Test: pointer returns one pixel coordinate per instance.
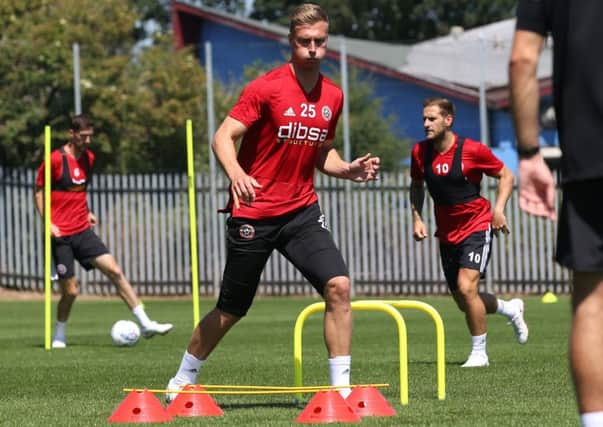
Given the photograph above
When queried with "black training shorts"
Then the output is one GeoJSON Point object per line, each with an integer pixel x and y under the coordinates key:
{"type": "Point", "coordinates": [302, 237]}
{"type": "Point", "coordinates": [473, 253]}
{"type": "Point", "coordinates": [580, 233]}
{"type": "Point", "coordinates": [84, 246]}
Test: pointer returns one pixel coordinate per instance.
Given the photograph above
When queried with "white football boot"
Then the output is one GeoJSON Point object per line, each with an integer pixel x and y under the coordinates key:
{"type": "Point", "coordinates": [519, 325]}
{"type": "Point", "coordinates": [155, 328]}
{"type": "Point", "coordinates": [476, 360]}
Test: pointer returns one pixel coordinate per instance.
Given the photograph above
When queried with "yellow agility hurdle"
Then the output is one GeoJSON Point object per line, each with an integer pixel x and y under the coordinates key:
{"type": "Point", "coordinates": [440, 341]}
{"type": "Point", "coordinates": [356, 305]}
{"type": "Point", "coordinates": [377, 305]}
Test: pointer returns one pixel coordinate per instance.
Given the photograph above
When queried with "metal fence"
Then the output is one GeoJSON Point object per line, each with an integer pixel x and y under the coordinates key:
{"type": "Point", "coordinates": [143, 219]}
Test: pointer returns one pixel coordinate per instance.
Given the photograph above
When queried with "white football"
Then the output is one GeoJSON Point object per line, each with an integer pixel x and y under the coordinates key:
{"type": "Point", "coordinates": [125, 333]}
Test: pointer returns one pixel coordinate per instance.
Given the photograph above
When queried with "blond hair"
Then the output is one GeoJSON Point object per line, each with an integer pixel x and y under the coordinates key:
{"type": "Point", "coordinates": [306, 14]}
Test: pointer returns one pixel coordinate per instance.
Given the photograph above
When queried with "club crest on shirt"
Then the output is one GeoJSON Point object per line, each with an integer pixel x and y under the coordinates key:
{"type": "Point", "coordinates": [246, 231]}
{"type": "Point", "coordinates": [326, 113]}
{"type": "Point", "coordinates": [77, 174]}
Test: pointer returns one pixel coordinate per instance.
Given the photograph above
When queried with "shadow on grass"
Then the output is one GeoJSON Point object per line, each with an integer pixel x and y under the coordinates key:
{"type": "Point", "coordinates": [433, 363]}
{"type": "Point", "coordinates": [262, 405]}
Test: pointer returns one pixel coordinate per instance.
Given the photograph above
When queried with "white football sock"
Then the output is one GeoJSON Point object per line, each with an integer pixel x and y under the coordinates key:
{"type": "Point", "coordinates": [189, 369]}
{"type": "Point", "coordinates": [339, 372]}
{"type": "Point", "coordinates": [506, 309]}
{"type": "Point", "coordinates": [141, 315]}
{"type": "Point", "coordinates": [59, 330]}
{"type": "Point", "coordinates": [592, 419]}
{"type": "Point", "coordinates": [478, 343]}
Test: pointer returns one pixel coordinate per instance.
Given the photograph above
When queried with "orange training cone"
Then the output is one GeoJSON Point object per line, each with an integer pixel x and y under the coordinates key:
{"type": "Point", "coordinates": [327, 407]}
{"type": "Point", "coordinates": [367, 401]}
{"type": "Point", "coordinates": [140, 407]}
{"type": "Point", "coordinates": [194, 405]}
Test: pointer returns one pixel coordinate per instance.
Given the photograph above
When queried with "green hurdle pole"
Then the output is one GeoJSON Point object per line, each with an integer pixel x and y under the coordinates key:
{"type": "Point", "coordinates": [47, 252]}
{"type": "Point", "coordinates": [192, 219]}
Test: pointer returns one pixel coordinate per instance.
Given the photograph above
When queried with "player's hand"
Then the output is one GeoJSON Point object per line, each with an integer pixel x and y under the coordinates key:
{"type": "Point", "coordinates": [92, 220]}
{"type": "Point", "coordinates": [365, 168]}
{"type": "Point", "coordinates": [499, 223]}
{"type": "Point", "coordinates": [419, 231]}
{"type": "Point", "coordinates": [54, 231]}
{"type": "Point", "coordinates": [536, 188]}
{"type": "Point", "coordinates": [242, 188]}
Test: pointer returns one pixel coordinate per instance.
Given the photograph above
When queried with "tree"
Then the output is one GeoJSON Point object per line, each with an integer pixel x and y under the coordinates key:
{"type": "Point", "coordinates": [36, 64]}
{"type": "Point", "coordinates": [139, 103]}
{"type": "Point", "coordinates": [433, 18]}
{"type": "Point", "coordinates": [370, 132]}
{"type": "Point", "coordinates": [405, 21]}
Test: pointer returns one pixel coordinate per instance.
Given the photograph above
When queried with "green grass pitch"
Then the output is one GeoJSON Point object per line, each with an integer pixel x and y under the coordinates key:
{"type": "Point", "coordinates": [82, 385]}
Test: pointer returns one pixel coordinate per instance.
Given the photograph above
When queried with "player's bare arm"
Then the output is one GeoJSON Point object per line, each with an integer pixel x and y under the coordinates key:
{"type": "Point", "coordinates": [536, 183]}
{"type": "Point", "coordinates": [417, 197]}
{"type": "Point", "coordinates": [362, 169]}
{"type": "Point", "coordinates": [505, 188]}
{"type": "Point", "coordinates": [243, 186]}
{"type": "Point", "coordinates": [523, 67]}
{"type": "Point", "coordinates": [39, 202]}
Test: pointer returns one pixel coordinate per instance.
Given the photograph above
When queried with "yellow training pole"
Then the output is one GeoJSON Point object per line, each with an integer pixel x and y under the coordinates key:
{"type": "Point", "coordinates": [47, 252]}
{"type": "Point", "coordinates": [192, 219]}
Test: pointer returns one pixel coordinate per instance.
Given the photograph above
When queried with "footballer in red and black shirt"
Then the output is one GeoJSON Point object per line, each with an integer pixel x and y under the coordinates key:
{"type": "Point", "coordinates": [452, 167]}
{"type": "Point", "coordinates": [286, 121]}
{"type": "Point", "coordinates": [71, 225]}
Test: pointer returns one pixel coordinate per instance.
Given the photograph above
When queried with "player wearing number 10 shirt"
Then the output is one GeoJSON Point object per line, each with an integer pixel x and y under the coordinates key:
{"type": "Point", "coordinates": [452, 167]}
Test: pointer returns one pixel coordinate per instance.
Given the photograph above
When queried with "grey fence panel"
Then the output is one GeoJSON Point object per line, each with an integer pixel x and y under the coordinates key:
{"type": "Point", "coordinates": [144, 221]}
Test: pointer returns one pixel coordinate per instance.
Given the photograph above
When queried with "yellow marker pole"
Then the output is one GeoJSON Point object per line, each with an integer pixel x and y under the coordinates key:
{"type": "Point", "coordinates": [47, 252]}
{"type": "Point", "coordinates": [192, 219]}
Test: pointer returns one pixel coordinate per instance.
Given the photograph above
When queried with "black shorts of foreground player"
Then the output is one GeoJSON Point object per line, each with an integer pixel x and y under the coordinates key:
{"type": "Point", "coordinates": [287, 120]}
{"type": "Point", "coordinates": [452, 167]}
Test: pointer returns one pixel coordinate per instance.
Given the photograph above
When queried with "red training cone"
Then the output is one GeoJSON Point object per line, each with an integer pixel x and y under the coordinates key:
{"type": "Point", "coordinates": [140, 407]}
{"type": "Point", "coordinates": [367, 401]}
{"type": "Point", "coordinates": [327, 407]}
{"type": "Point", "coordinates": [194, 405]}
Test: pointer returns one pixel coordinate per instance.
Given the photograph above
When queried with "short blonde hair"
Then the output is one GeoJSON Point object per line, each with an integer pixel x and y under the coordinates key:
{"type": "Point", "coordinates": [306, 14]}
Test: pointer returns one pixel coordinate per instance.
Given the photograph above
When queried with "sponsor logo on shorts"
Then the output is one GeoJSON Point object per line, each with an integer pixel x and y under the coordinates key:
{"type": "Point", "coordinates": [246, 231]}
{"type": "Point", "coordinates": [322, 219]}
{"type": "Point", "coordinates": [61, 269]}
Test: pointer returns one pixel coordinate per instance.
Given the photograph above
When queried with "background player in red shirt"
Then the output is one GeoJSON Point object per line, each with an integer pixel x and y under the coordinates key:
{"type": "Point", "coordinates": [71, 230]}
{"type": "Point", "coordinates": [453, 167]}
{"type": "Point", "coordinates": [286, 119]}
